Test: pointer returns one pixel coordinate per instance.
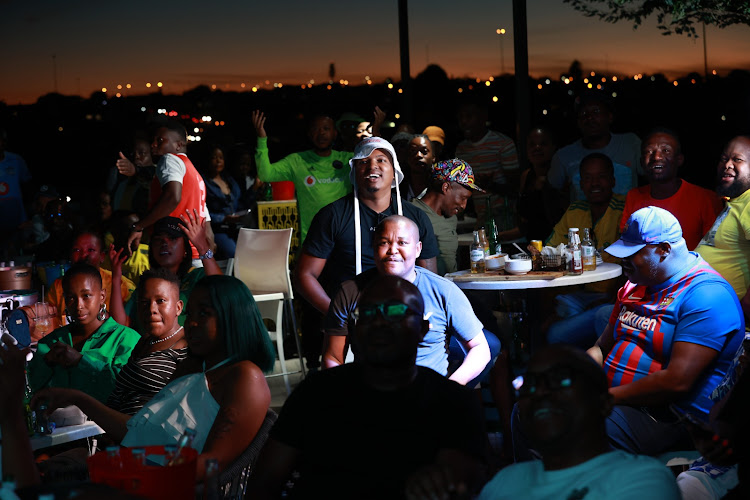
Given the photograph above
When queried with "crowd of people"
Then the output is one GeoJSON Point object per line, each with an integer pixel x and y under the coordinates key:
{"type": "Point", "coordinates": [149, 338]}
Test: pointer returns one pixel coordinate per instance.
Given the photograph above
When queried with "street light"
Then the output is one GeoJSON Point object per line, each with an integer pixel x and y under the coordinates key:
{"type": "Point", "coordinates": [501, 32]}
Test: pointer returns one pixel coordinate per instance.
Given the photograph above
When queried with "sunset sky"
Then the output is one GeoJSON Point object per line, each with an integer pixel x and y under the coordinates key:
{"type": "Point", "coordinates": [226, 43]}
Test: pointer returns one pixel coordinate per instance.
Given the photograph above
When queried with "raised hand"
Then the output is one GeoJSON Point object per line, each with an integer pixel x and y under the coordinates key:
{"type": "Point", "coordinates": [195, 229]}
{"type": "Point", "coordinates": [125, 166]}
{"type": "Point", "coordinates": [259, 121]}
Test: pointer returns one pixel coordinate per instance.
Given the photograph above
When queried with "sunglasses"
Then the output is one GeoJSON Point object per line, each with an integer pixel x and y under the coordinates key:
{"type": "Point", "coordinates": [553, 379]}
{"type": "Point", "coordinates": [392, 312]}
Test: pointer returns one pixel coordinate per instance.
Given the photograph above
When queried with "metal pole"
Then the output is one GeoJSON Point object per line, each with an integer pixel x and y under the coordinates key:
{"type": "Point", "coordinates": [521, 54]}
{"type": "Point", "coordinates": [403, 38]}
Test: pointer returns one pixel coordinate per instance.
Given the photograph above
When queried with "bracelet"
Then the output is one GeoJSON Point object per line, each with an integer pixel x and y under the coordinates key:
{"type": "Point", "coordinates": [134, 228]}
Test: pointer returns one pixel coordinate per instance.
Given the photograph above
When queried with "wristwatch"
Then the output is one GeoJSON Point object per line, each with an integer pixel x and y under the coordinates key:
{"type": "Point", "coordinates": [208, 255]}
{"type": "Point", "coordinates": [135, 228]}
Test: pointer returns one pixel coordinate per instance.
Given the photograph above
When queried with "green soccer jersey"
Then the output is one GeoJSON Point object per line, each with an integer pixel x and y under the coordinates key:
{"type": "Point", "coordinates": [316, 180]}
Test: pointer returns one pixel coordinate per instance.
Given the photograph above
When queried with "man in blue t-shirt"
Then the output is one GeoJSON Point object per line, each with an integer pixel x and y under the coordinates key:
{"type": "Point", "coordinates": [672, 335]}
{"type": "Point", "coordinates": [396, 248]}
{"type": "Point", "coordinates": [13, 173]}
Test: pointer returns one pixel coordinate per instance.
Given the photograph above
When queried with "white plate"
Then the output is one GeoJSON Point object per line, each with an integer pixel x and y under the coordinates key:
{"type": "Point", "coordinates": [517, 273]}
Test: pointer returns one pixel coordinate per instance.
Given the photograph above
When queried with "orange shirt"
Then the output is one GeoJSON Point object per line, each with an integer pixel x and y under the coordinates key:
{"type": "Point", "coordinates": [695, 207]}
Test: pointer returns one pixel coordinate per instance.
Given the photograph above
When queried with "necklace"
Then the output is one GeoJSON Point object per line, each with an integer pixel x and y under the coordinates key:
{"type": "Point", "coordinates": [152, 342]}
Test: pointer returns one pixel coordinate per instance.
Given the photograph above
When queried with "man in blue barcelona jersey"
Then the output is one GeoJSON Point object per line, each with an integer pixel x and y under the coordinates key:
{"type": "Point", "coordinates": [674, 330]}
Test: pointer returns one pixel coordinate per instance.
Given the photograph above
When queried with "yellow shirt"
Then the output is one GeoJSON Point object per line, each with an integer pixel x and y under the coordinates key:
{"type": "Point", "coordinates": [132, 268]}
{"type": "Point", "coordinates": [55, 293]}
{"type": "Point", "coordinates": [726, 246]}
{"type": "Point", "coordinates": [606, 230]}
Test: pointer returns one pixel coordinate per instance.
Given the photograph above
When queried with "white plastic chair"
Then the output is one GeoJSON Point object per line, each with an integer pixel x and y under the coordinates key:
{"type": "Point", "coordinates": [261, 261]}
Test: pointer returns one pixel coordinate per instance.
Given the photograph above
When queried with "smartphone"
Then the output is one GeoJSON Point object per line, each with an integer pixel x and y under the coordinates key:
{"type": "Point", "coordinates": [241, 213]}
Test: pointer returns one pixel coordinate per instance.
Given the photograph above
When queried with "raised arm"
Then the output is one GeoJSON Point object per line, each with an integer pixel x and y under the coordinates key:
{"type": "Point", "coordinates": [195, 229]}
{"type": "Point", "coordinates": [116, 305]}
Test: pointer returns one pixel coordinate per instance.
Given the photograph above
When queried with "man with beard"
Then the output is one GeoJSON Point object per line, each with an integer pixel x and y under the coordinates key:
{"type": "Point", "coordinates": [695, 207]}
{"type": "Point", "coordinates": [727, 245]}
{"type": "Point", "coordinates": [177, 188]}
{"type": "Point", "coordinates": [671, 337]}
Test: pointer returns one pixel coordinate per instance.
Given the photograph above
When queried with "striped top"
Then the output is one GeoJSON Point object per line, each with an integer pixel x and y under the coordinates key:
{"type": "Point", "coordinates": [142, 378]}
{"type": "Point", "coordinates": [697, 306]}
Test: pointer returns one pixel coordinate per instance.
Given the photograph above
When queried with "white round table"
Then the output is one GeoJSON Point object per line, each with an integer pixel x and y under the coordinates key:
{"type": "Point", "coordinates": [603, 272]}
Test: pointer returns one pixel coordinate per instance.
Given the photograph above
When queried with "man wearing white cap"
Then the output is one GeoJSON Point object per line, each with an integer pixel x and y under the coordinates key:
{"type": "Point", "coordinates": [339, 242]}
{"type": "Point", "coordinates": [673, 332]}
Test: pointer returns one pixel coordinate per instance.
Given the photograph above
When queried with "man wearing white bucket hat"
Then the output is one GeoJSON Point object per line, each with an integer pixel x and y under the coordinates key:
{"type": "Point", "coordinates": [339, 243]}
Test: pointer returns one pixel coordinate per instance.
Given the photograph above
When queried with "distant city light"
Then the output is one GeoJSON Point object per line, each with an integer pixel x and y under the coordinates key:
{"type": "Point", "coordinates": [495, 99]}
{"type": "Point", "coordinates": [390, 85]}
{"type": "Point", "coordinates": [59, 129]}
{"type": "Point", "coordinates": [589, 85]}
{"type": "Point", "coordinates": [614, 94]}
{"type": "Point", "coordinates": [206, 119]}
{"type": "Point", "coordinates": [104, 89]}
{"type": "Point", "coordinates": [544, 112]}
{"type": "Point", "coordinates": [547, 81]}
{"type": "Point", "coordinates": [599, 86]}
{"type": "Point", "coordinates": [196, 130]}
{"type": "Point", "coordinates": [675, 83]}
{"type": "Point", "coordinates": [242, 85]}
{"type": "Point", "coordinates": [539, 86]}
{"type": "Point", "coordinates": [593, 73]}
{"type": "Point", "coordinates": [488, 83]}
{"type": "Point", "coordinates": [723, 118]}
{"type": "Point", "coordinates": [143, 109]}
{"type": "Point", "coordinates": [713, 72]}
{"type": "Point", "coordinates": [614, 78]}
{"type": "Point", "coordinates": [119, 87]}
{"type": "Point", "coordinates": [492, 78]}
{"type": "Point", "coordinates": [254, 89]}
{"type": "Point", "coordinates": [397, 116]}
{"type": "Point", "coordinates": [148, 85]}
{"type": "Point", "coordinates": [127, 86]}
{"type": "Point", "coordinates": [653, 78]}
{"type": "Point", "coordinates": [118, 95]}
{"type": "Point", "coordinates": [400, 91]}
{"type": "Point", "coordinates": [213, 87]}
{"type": "Point", "coordinates": [566, 80]}
{"type": "Point", "coordinates": [500, 31]}
{"type": "Point", "coordinates": [159, 84]}
{"type": "Point", "coordinates": [460, 90]}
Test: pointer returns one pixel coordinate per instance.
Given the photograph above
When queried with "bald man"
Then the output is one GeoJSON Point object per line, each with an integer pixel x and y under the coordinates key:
{"type": "Point", "coordinates": [396, 247]}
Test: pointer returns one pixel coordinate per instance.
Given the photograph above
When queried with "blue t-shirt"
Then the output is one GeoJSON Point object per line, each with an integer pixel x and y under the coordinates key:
{"type": "Point", "coordinates": [696, 305]}
{"type": "Point", "coordinates": [445, 307]}
{"type": "Point", "coordinates": [616, 475]}
{"type": "Point", "coordinates": [13, 172]}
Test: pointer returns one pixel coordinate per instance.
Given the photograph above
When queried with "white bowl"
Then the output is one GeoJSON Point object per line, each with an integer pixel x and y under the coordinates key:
{"type": "Point", "coordinates": [495, 262]}
{"type": "Point", "coordinates": [518, 266]}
